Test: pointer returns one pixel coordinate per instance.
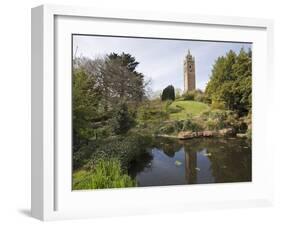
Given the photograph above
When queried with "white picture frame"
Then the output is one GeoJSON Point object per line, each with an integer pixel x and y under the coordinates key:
{"type": "Point", "coordinates": [51, 199]}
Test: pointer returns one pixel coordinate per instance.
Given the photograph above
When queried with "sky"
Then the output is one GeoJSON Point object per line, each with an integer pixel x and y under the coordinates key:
{"type": "Point", "coordinates": [160, 60]}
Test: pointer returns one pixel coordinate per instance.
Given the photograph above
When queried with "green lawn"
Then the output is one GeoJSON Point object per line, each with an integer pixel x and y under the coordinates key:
{"type": "Point", "coordinates": [186, 107]}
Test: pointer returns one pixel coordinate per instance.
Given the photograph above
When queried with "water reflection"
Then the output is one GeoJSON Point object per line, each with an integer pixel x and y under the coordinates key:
{"type": "Point", "coordinates": [197, 161]}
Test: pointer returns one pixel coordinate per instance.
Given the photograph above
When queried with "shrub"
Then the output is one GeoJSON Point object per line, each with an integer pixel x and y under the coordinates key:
{"type": "Point", "coordinates": [181, 125]}
{"type": "Point", "coordinates": [200, 97]}
{"type": "Point", "coordinates": [102, 132]}
{"type": "Point", "coordinates": [188, 96]}
{"type": "Point", "coordinates": [218, 105]}
{"type": "Point", "coordinates": [191, 125]}
{"type": "Point", "coordinates": [219, 119]}
{"type": "Point", "coordinates": [178, 125]}
{"type": "Point", "coordinates": [153, 111]}
{"type": "Point", "coordinates": [106, 174]}
{"type": "Point", "coordinates": [125, 149]}
{"type": "Point", "coordinates": [168, 93]}
{"type": "Point", "coordinates": [196, 95]}
{"type": "Point", "coordinates": [211, 124]}
{"type": "Point", "coordinates": [82, 156]}
{"type": "Point", "coordinates": [166, 129]}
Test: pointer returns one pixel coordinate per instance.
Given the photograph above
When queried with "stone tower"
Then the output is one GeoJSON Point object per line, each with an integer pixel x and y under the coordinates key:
{"type": "Point", "coordinates": [189, 73]}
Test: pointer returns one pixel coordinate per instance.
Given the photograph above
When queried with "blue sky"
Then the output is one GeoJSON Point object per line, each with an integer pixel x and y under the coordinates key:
{"type": "Point", "coordinates": [161, 60]}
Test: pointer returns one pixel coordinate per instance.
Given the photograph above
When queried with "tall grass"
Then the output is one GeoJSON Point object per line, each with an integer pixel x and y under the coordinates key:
{"type": "Point", "coordinates": [106, 174]}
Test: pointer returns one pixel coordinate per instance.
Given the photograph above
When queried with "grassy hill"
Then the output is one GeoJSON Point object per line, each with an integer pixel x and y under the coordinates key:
{"type": "Point", "coordinates": [179, 109]}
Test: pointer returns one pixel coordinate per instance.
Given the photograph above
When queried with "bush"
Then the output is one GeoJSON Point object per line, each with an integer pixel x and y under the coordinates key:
{"type": "Point", "coordinates": [191, 125]}
{"type": "Point", "coordinates": [196, 95]}
{"type": "Point", "coordinates": [211, 124]}
{"type": "Point", "coordinates": [103, 132]}
{"type": "Point", "coordinates": [168, 93]}
{"type": "Point", "coordinates": [106, 174]}
{"type": "Point", "coordinates": [82, 156]}
{"type": "Point", "coordinates": [125, 149]}
{"type": "Point", "coordinates": [188, 96]}
{"type": "Point", "coordinates": [154, 110]}
{"type": "Point", "coordinates": [166, 129]}
{"type": "Point", "coordinates": [200, 97]}
{"type": "Point", "coordinates": [219, 119]}
{"type": "Point", "coordinates": [218, 105]}
{"type": "Point", "coordinates": [178, 126]}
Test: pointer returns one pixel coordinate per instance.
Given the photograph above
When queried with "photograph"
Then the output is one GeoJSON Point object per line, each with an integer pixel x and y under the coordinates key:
{"type": "Point", "coordinates": [150, 111]}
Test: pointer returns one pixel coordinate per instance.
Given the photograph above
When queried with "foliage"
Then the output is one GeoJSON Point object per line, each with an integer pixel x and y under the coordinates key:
{"type": "Point", "coordinates": [189, 95]}
{"type": "Point", "coordinates": [85, 104]}
{"type": "Point", "coordinates": [191, 125]}
{"type": "Point", "coordinates": [81, 156]}
{"type": "Point", "coordinates": [176, 126]}
{"type": "Point", "coordinates": [219, 119]}
{"type": "Point", "coordinates": [115, 77]}
{"type": "Point", "coordinates": [230, 84]}
{"type": "Point", "coordinates": [122, 120]}
{"type": "Point", "coordinates": [99, 88]}
{"type": "Point", "coordinates": [166, 128]}
{"type": "Point", "coordinates": [113, 120]}
{"type": "Point", "coordinates": [196, 95]}
{"type": "Point", "coordinates": [129, 62]}
{"type": "Point", "coordinates": [124, 148]}
{"type": "Point", "coordinates": [153, 110]}
{"type": "Point", "coordinates": [168, 93]}
{"type": "Point", "coordinates": [106, 174]}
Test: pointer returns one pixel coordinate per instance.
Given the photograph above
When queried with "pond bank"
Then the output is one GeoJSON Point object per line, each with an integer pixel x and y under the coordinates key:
{"type": "Point", "coordinates": [183, 135]}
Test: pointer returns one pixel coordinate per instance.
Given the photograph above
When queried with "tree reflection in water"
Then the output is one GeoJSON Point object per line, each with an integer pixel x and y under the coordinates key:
{"type": "Point", "coordinates": [202, 160]}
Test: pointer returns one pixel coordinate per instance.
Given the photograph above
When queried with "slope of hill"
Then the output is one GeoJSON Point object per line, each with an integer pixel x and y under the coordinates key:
{"type": "Point", "coordinates": [180, 109]}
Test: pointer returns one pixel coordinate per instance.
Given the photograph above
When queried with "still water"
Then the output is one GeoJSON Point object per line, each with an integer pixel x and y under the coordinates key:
{"type": "Point", "coordinates": [194, 161]}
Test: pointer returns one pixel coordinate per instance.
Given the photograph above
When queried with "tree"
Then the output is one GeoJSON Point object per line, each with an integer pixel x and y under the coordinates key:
{"type": "Point", "coordinates": [122, 120]}
{"type": "Point", "coordinates": [168, 93]}
{"type": "Point", "coordinates": [86, 97]}
{"type": "Point", "coordinates": [116, 77]}
{"type": "Point", "coordinates": [230, 84]}
{"type": "Point", "coordinates": [129, 62]}
{"type": "Point", "coordinates": [242, 87]}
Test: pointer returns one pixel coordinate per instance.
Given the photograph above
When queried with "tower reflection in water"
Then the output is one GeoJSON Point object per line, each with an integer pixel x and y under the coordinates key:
{"type": "Point", "coordinates": [190, 166]}
{"type": "Point", "coordinates": [199, 161]}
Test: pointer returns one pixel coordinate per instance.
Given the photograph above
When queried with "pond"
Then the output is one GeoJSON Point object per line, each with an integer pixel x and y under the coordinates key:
{"type": "Point", "coordinates": [194, 161]}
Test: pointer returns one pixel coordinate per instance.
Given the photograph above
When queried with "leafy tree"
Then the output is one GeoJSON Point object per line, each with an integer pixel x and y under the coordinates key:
{"type": "Point", "coordinates": [230, 84]}
{"type": "Point", "coordinates": [168, 93]}
{"type": "Point", "coordinates": [242, 87]}
{"type": "Point", "coordinates": [129, 62]}
{"type": "Point", "coordinates": [86, 99]}
{"type": "Point", "coordinates": [122, 120]}
{"type": "Point", "coordinates": [116, 77]}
